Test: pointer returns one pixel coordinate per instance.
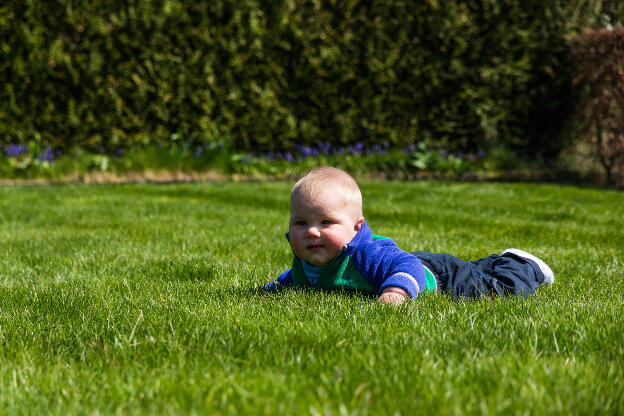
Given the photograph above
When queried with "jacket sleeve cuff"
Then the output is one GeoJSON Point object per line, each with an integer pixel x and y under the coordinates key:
{"type": "Point", "coordinates": [403, 280]}
{"type": "Point", "coordinates": [283, 280]}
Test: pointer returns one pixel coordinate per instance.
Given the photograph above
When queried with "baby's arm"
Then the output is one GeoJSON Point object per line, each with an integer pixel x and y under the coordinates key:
{"type": "Point", "coordinates": [283, 280]}
{"type": "Point", "coordinates": [392, 270]}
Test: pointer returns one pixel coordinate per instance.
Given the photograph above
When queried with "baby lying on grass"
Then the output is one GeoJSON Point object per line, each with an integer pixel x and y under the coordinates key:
{"type": "Point", "coordinates": [334, 249]}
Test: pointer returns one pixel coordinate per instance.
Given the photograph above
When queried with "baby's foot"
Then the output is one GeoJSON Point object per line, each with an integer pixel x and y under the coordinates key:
{"type": "Point", "coordinates": [549, 276]}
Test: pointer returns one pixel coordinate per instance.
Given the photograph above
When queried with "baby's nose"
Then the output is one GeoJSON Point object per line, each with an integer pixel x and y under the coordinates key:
{"type": "Point", "coordinates": [313, 232]}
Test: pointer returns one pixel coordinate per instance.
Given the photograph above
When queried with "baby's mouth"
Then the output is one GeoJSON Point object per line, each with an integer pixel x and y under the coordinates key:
{"type": "Point", "coordinates": [315, 246]}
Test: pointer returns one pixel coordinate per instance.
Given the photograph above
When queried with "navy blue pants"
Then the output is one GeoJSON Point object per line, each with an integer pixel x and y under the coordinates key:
{"type": "Point", "coordinates": [506, 275]}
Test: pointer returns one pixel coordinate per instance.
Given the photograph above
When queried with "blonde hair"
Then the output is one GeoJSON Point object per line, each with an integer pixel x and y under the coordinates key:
{"type": "Point", "coordinates": [327, 178]}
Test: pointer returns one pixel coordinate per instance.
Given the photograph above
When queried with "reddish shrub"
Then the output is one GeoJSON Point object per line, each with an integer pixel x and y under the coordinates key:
{"type": "Point", "coordinates": [598, 80]}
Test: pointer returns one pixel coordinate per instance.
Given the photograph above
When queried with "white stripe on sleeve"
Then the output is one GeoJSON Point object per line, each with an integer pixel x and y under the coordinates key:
{"type": "Point", "coordinates": [409, 277]}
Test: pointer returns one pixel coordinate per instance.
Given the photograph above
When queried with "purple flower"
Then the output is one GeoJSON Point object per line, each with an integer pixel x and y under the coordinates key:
{"type": "Point", "coordinates": [47, 155]}
{"type": "Point", "coordinates": [288, 156]}
{"type": "Point", "coordinates": [120, 151]}
{"type": "Point", "coordinates": [102, 149]}
{"type": "Point", "coordinates": [325, 148]}
{"type": "Point", "coordinates": [198, 152]}
{"type": "Point", "coordinates": [14, 150]}
{"type": "Point", "coordinates": [359, 147]}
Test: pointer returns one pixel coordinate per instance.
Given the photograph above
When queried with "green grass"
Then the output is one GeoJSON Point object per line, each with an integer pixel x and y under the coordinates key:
{"type": "Point", "coordinates": [144, 299]}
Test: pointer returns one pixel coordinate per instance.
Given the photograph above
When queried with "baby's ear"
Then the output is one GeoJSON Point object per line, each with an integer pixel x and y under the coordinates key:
{"type": "Point", "coordinates": [359, 223]}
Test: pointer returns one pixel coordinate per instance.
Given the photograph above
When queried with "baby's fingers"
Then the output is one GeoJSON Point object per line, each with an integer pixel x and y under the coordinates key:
{"type": "Point", "coordinates": [392, 298]}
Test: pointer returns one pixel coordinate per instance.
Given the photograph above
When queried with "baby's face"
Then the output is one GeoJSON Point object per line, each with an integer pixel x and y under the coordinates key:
{"type": "Point", "coordinates": [319, 229]}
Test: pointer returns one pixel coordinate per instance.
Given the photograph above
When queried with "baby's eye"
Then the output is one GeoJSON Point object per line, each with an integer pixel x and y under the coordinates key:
{"type": "Point", "coordinates": [299, 222]}
{"type": "Point", "coordinates": [327, 222]}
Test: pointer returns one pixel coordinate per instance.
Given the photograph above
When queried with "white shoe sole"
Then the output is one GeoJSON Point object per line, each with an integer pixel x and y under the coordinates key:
{"type": "Point", "coordinates": [549, 276]}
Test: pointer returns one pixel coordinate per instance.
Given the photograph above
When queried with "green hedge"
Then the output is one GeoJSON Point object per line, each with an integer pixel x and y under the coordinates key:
{"type": "Point", "coordinates": [265, 74]}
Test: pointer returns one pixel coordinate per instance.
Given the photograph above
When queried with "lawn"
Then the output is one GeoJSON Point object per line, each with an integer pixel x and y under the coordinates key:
{"type": "Point", "coordinates": [146, 299]}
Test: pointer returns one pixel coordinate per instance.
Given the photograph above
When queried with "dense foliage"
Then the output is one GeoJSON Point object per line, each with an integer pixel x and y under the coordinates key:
{"type": "Point", "coordinates": [264, 75]}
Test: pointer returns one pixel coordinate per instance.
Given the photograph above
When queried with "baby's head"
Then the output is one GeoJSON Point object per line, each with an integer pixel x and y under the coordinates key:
{"type": "Point", "coordinates": [325, 214]}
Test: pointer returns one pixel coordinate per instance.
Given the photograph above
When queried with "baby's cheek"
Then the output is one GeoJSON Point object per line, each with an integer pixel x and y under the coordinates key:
{"type": "Point", "coordinates": [335, 242]}
{"type": "Point", "coordinates": [339, 241]}
{"type": "Point", "coordinates": [295, 245]}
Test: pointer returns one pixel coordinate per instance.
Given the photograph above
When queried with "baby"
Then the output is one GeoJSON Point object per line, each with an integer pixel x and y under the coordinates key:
{"type": "Point", "coordinates": [334, 249]}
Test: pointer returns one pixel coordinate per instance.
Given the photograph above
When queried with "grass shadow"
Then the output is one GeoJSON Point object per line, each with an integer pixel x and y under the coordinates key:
{"type": "Point", "coordinates": [223, 194]}
{"type": "Point", "coordinates": [260, 291]}
{"type": "Point", "coordinates": [174, 269]}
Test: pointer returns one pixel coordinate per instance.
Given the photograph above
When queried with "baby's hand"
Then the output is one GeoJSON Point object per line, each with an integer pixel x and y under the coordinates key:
{"type": "Point", "coordinates": [394, 295]}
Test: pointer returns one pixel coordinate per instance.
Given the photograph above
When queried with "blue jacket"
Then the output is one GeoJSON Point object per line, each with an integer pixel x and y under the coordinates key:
{"type": "Point", "coordinates": [369, 263]}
